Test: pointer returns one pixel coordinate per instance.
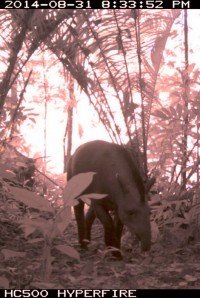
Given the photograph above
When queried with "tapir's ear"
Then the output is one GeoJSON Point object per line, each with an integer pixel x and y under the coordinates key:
{"type": "Point", "coordinates": [121, 183]}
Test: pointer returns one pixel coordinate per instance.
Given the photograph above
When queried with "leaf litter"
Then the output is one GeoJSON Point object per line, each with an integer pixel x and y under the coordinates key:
{"type": "Point", "coordinates": [166, 266]}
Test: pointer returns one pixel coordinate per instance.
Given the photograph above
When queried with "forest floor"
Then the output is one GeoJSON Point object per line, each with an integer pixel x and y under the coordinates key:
{"type": "Point", "coordinates": [169, 265]}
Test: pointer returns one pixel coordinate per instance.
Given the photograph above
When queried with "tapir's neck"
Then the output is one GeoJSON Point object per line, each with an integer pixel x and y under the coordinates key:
{"type": "Point", "coordinates": [128, 175]}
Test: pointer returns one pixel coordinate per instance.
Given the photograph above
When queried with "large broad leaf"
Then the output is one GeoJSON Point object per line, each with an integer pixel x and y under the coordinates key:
{"type": "Point", "coordinates": [8, 254]}
{"type": "Point", "coordinates": [96, 196]}
{"type": "Point", "coordinates": [75, 186]}
{"type": "Point", "coordinates": [43, 225]}
{"type": "Point", "coordinates": [30, 199]}
{"type": "Point", "coordinates": [69, 251]}
{"type": "Point", "coordinates": [62, 219]}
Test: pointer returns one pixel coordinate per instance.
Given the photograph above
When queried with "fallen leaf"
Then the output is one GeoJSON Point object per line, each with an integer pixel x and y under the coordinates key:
{"type": "Point", "coordinates": [12, 253]}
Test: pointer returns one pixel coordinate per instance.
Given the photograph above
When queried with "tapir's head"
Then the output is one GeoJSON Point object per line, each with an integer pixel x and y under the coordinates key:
{"type": "Point", "coordinates": [133, 209]}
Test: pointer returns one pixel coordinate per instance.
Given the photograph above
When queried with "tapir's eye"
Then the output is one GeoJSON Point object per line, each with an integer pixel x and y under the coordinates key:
{"type": "Point", "coordinates": [131, 212]}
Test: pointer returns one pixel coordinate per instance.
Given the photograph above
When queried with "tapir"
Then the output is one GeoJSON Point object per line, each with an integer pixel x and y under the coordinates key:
{"type": "Point", "coordinates": [118, 177]}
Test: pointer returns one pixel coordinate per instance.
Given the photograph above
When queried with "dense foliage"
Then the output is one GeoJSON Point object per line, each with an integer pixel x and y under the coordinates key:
{"type": "Point", "coordinates": [133, 73]}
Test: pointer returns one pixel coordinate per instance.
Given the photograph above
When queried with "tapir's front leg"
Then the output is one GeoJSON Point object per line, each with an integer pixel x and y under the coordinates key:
{"type": "Point", "coordinates": [109, 227]}
{"type": "Point", "coordinates": [80, 219]}
{"type": "Point", "coordinates": [89, 219]}
{"type": "Point", "coordinates": [118, 229]}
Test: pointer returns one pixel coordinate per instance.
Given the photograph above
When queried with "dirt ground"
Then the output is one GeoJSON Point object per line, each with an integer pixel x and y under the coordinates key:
{"type": "Point", "coordinates": [171, 264]}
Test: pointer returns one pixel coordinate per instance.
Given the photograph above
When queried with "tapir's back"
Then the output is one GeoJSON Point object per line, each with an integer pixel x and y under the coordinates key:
{"type": "Point", "coordinates": [95, 156]}
{"type": "Point", "coordinates": [107, 160]}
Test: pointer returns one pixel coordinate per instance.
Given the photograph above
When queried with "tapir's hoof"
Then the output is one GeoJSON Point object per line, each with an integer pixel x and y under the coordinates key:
{"type": "Point", "coordinates": [117, 255]}
{"type": "Point", "coordinates": [84, 244]}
